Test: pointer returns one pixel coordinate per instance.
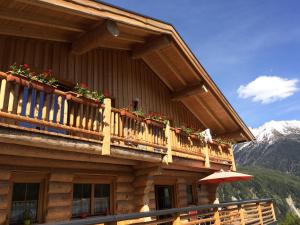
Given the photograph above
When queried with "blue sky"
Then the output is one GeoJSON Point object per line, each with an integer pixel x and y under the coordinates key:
{"type": "Point", "coordinates": [251, 49]}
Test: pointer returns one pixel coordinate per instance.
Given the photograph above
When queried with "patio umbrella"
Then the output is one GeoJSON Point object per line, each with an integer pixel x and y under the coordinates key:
{"type": "Point", "coordinates": [224, 176]}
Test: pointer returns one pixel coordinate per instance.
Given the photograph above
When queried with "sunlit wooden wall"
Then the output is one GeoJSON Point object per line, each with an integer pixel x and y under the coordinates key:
{"type": "Point", "coordinates": [102, 69]}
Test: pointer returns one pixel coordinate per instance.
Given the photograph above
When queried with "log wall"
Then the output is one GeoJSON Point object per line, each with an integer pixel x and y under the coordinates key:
{"type": "Point", "coordinates": [4, 195]}
{"type": "Point", "coordinates": [112, 71]}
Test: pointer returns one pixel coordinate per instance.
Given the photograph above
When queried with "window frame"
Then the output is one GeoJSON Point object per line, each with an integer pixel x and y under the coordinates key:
{"type": "Point", "coordinates": [194, 193]}
{"type": "Point", "coordinates": [93, 180]}
{"type": "Point", "coordinates": [29, 177]}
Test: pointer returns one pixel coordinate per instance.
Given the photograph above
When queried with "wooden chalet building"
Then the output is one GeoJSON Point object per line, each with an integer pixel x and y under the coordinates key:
{"type": "Point", "coordinates": [65, 156]}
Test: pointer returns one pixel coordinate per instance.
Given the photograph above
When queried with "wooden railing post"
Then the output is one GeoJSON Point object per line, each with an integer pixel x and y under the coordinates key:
{"type": "Point", "coordinates": [106, 127]}
{"type": "Point", "coordinates": [207, 162]}
{"type": "Point", "coordinates": [259, 214]}
{"type": "Point", "coordinates": [176, 220]}
{"type": "Point", "coordinates": [169, 143]}
{"type": "Point", "coordinates": [217, 217]}
{"type": "Point", "coordinates": [273, 211]}
{"type": "Point", "coordinates": [233, 166]}
{"type": "Point", "coordinates": [242, 214]}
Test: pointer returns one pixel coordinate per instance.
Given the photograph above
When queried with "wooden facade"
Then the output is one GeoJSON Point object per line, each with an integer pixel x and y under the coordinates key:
{"type": "Point", "coordinates": [68, 149]}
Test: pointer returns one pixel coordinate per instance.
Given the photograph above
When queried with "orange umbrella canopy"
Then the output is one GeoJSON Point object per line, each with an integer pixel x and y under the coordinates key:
{"type": "Point", "coordinates": [224, 176]}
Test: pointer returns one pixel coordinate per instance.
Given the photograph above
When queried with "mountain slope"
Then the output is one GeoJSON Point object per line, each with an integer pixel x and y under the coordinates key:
{"type": "Point", "coordinates": [265, 184]}
{"type": "Point", "coordinates": [274, 160]}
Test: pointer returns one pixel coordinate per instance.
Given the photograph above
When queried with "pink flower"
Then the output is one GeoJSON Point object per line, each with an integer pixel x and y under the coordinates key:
{"type": "Point", "coordinates": [26, 66]}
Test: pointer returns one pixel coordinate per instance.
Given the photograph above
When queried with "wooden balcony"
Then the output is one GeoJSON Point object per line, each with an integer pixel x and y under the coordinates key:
{"type": "Point", "coordinates": [258, 212]}
{"type": "Point", "coordinates": [28, 106]}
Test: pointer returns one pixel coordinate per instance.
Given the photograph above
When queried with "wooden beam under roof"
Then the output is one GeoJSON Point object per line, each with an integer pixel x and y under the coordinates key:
{"type": "Point", "coordinates": [42, 21]}
{"type": "Point", "coordinates": [94, 38]}
{"type": "Point", "coordinates": [210, 113]}
{"type": "Point", "coordinates": [151, 46]}
{"type": "Point", "coordinates": [189, 91]}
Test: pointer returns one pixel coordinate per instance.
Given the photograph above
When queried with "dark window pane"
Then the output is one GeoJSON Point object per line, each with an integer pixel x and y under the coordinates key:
{"type": "Point", "coordinates": [81, 199]}
{"type": "Point", "coordinates": [24, 202]}
{"type": "Point", "coordinates": [190, 198]}
{"type": "Point", "coordinates": [19, 192]}
{"type": "Point", "coordinates": [102, 193]}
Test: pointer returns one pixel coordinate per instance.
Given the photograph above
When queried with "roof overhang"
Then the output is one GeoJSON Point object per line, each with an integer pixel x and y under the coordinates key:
{"type": "Point", "coordinates": [155, 42]}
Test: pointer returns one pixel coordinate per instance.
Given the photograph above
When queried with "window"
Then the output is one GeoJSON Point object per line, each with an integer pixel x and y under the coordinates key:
{"type": "Point", "coordinates": [190, 195]}
{"type": "Point", "coordinates": [91, 199]}
{"type": "Point", "coordinates": [25, 199]}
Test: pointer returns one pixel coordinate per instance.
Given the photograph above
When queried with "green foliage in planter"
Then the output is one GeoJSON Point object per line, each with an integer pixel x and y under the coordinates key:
{"type": "Point", "coordinates": [21, 70]}
{"type": "Point", "coordinates": [139, 113]}
{"type": "Point", "coordinates": [88, 93]}
{"type": "Point", "coordinates": [187, 130]}
{"type": "Point", "coordinates": [158, 117]}
{"type": "Point", "coordinates": [24, 70]}
{"type": "Point", "coordinates": [200, 135]}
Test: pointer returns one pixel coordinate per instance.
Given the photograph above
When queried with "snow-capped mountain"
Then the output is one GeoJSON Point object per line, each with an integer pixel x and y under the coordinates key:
{"type": "Point", "coordinates": [277, 146]}
{"type": "Point", "coordinates": [271, 130]}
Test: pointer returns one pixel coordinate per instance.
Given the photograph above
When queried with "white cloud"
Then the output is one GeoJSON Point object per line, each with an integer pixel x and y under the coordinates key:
{"type": "Point", "coordinates": [267, 89]}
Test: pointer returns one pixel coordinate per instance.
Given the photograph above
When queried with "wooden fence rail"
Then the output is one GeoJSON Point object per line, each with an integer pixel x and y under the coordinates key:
{"type": "Point", "coordinates": [254, 212]}
{"type": "Point", "coordinates": [29, 104]}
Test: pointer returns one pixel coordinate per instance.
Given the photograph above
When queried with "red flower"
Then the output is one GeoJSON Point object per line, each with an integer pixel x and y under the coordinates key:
{"type": "Point", "coordinates": [26, 66]}
{"type": "Point", "coordinates": [83, 85]}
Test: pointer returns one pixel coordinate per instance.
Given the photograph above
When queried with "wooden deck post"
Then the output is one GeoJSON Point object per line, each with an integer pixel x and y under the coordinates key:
{"type": "Point", "coordinates": [217, 217]}
{"type": "Point", "coordinates": [273, 211]}
{"type": "Point", "coordinates": [207, 163]}
{"type": "Point", "coordinates": [242, 214]}
{"type": "Point", "coordinates": [106, 127]}
{"type": "Point", "coordinates": [259, 214]}
{"type": "Point", "coordinates": [176, 220]}
{"type": "Point", "coordinates": [169, 142]}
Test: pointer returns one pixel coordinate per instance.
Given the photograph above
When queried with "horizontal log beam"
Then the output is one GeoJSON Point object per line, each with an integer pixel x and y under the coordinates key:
{"type": "Point", "coordinates": [151, 46]}
{"type": "Point", "coordinates": [189, 91]}
{"type": "Point", "coordinates": [94, 38]}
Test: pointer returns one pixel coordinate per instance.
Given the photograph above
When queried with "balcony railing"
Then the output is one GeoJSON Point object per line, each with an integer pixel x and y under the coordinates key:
{"type": "Point", "coordinates": [30, 105]}
{"type": "Point", "coordinates": [232, 213]}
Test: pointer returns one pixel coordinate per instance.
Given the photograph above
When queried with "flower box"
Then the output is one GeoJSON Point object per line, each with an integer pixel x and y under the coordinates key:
{"type": "Point", "coordinates": [80, 99]}
{"type": "Point", "coordinates": [126, 113]}
{"type": "Point", "coordinates": [155, 123]}
{"type": "Point", "coordinates": [178, 130]}
{"type": "Point", "coordinates": [30, 83]}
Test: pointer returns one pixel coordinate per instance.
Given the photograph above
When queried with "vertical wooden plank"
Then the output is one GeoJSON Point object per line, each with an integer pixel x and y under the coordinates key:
{"type": "Point", "coordinates": [242, 214]}
{"type": "Point", "coordinates": [16, 98]}
{"type": "Point", "coordinates": [72, 121]}
{"type": "Point", "coordinates": [273, 211]}
{"type": "Point", "coordinates": [259, 212]}
{"type": "Point", "coordinates": [169, 142]}
{"type": "Point", "coordinates": [91, 117]}
{"type": "Point", "coordinates": [28, 103]}
{"type": "Point", "coordinates": [66, 109]}
{"type": "Point", "coordinates": [2, 93]}
{"type": "Point", "coordinates": [217, 217]}
{"type": "Point", "coordinates": [106, 128]}
{"type": "Point", "coordinates": [36, 105]}
{"type": "Point", "coordinates": [96, 119]}
{"type": "Point", "coordinates": [47, 99]}
{"type": "Point", "coordinates": [51, 112]}
{"type": "Point", "coordinates": [59, 109]}
{"type": "Point", "coordinates": [11, 97]}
